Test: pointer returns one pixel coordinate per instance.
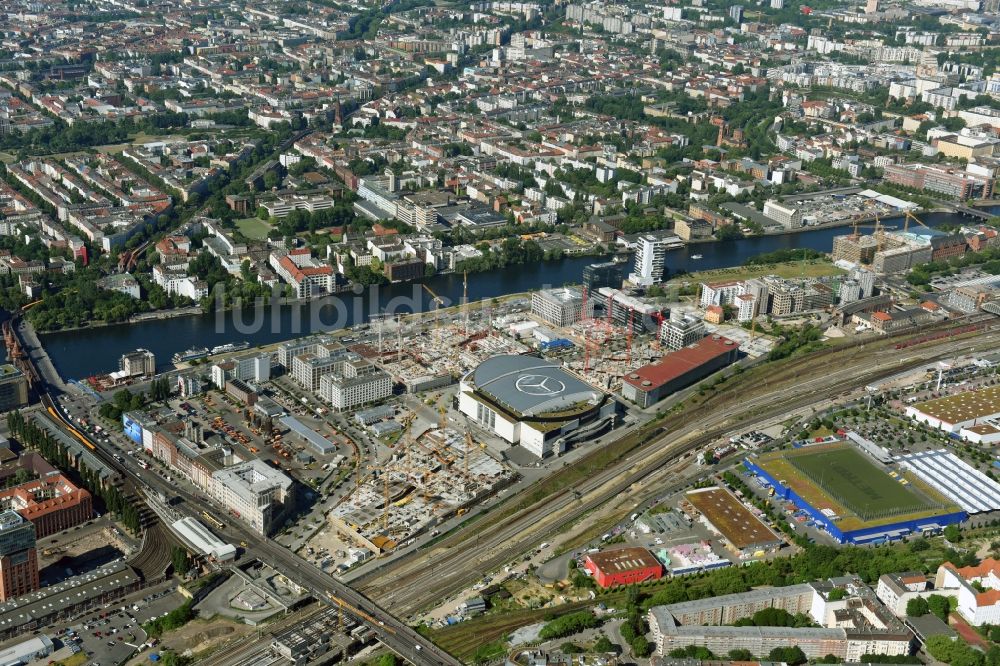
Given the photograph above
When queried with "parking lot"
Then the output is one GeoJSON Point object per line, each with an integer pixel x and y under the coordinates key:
{"type": "Point", "coordinates": [111, 635]}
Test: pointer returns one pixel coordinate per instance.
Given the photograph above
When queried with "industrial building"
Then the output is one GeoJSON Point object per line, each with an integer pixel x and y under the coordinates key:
{"type": "Point", "coordinates": [33, 650]}
{"type": "Point", "coordinates": [92, 590]}
{"type": "Point", "coordinates": [138, 363]}
{"type": "Point", "coordinates": [201, 540]}
{"type": "Point", "coordinates": [957, 480]}
{"type": "Point", "coordinates": [18, 556]}
{"type": "Point", "coordinates": [623, 566]}
{"type": "Point", "coordinates": [651, 383]}
{"type": "Point", "coordinates": [533, 402]}
{"type": "Point", "coordinates": [319, 444]}
{"type": "Point", "coordinates": [559, 307]}
{"type": "Point", "coordinates": [242, 392]}
{"type": "Point", "coordinates": [723, 513]}
{"type": "Point", "coordinates": [853, 624]}
{"type": "Point", "coordinates": [962, 410]}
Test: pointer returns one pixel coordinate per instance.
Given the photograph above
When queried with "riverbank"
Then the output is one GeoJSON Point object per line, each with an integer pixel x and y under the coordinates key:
{"type": "Point", "coordinates": [834, 224]}
{"type": "Point", "coordinates": [165, 314]}
{"type": "Point", "coordinates": [85, 352]}
{"type": "Point", "coordinates": [811, 268]}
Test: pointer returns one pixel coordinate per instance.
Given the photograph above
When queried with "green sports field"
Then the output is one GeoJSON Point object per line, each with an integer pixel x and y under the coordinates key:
{"type": "Point", "coordinates": [845, 474]}
{"type": "Point", "coordinates": [842, 482]}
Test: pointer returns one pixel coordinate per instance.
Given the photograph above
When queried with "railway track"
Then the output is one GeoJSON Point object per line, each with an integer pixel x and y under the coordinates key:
{"type": "Point", "coordinates": [462, 558]}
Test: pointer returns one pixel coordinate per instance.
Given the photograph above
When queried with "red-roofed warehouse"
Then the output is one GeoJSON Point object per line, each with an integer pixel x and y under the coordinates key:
{"type": "Point", "coordinates": [651, 383]}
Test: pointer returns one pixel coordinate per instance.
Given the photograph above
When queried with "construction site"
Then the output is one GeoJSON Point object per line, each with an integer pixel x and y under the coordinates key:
{"type": "Point", "coordinates": [888, 251]}
{"type": "Point", "coordinates": [606, 353]}
{"type": "Point", "coordinates": [439, 474]}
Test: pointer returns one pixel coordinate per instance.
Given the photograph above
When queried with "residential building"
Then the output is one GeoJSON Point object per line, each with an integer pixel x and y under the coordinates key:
{"type": "Point", "coordinates": [720, 293]}
{"type": "Point", "coordinates": [789, 217]}
{"type": "Point", "coordinates": [977, 589]}
{"type": "Point", "coordinates": [650, 261]}
{"type": "Point", "coordinates": [256, 492]}
{"type": "Point", "coordinates": [307, 275]}
{"type": "Point", "coordinates": [897, 589]}
{"type": "Point", "coordinates": [681, 330]}
{"type": "Point", "coordinates": [853, 624]}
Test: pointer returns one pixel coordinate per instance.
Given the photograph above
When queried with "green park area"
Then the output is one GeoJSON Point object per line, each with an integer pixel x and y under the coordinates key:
{"type": "Point", "coordinates": [253, 228]}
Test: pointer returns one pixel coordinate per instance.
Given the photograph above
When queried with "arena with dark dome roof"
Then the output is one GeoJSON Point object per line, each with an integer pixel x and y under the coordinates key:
{"type": "Point", "coordinates": [533, 402]}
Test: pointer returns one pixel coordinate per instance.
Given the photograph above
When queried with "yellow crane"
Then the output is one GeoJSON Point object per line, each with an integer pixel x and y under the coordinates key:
{"type": "Point", "coordinates": [468, 451]}
{"type": "Point", "coordinates": [385, 491]}
{"type": "Point", "coordinates": [906, 221]}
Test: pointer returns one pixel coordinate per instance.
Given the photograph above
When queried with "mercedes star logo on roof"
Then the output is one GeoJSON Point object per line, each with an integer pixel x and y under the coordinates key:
{"type": "Point", "coordinates": [539, 385]}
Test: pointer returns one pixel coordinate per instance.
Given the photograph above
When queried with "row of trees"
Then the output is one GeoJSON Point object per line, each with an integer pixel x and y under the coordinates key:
{"type": "Point", "coordinates": [567, 625]}
{"type": "Point", "coordinates": [512, 251]}
{"type": "Point", "coordinates": [33, 437]}
{"type": "Point", "coordinates": [175, 619]}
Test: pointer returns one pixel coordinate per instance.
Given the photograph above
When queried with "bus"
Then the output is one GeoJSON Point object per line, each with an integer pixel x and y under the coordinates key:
{"type": "Point", "coordinates": [213, 521]}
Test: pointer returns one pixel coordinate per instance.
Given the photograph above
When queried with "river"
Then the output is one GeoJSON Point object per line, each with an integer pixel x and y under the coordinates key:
{"type": "Point", "coordinates": [82, 353]}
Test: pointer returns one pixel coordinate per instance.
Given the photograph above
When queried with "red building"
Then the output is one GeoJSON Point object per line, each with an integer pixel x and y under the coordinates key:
{"type": "Point", "coordinates": [623, 566]}
{"type": "Point", "coordinates": [18, 558]}
{"type": "Point", "coordinates": [52, 504]}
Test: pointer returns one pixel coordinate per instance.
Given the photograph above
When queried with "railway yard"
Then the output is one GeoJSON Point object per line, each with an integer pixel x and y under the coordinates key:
{"type": "Point", "coordinates": [396, 505]}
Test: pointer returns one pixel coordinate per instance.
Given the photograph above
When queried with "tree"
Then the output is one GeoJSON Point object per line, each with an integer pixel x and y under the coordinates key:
{"type": "Point", "coordinates": [387, 659]}
{"type": "Point", "coordinates": [181, 561]}
{"type": "Point", "coordinates": [567, 625]}
{"type": "Point", "coordinates": [790, 655]}
{"type": "Point", "coordinates": [271, 180]}
{"type": "Point", "coordinates": [740, 654]}
{"type": "Point", "coordinates": [953, 533]}
{"type": "Point", "coordinates": [917, 607]}
{"type": "Point", "coordinates": [603, 644]}
{"type": "Point", "coordinates": [641, 647]}
{"type": "Point", "coordinates": [940, 606]}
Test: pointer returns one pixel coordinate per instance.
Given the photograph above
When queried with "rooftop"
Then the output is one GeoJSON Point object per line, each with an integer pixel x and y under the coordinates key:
{"type": "Point", "coordinates": [740, 527]}
{"type": "Point", "coordinates": [623, 559]}
{"type": "Point", "coordinates": [530, 386]}
{"type": "Point", "coordinates": [679, 363]}
{"type": "Point", "coordinates": [964, 406]}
